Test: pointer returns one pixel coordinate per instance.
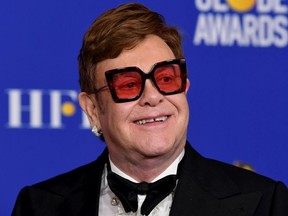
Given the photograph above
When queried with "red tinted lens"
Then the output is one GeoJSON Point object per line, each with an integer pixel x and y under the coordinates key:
{"type": "Point", "coordinates": [168, 78]}
{"type": "Point", "coordinates": [127, 84]}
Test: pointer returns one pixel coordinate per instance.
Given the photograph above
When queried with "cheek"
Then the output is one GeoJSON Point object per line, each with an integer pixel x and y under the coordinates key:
{"type": "Point", "coordinates": [182, 111]}
{"type": "Point", "coordinates": [180, 103]}
{"type": "Point", "coordinates": [102, 103]}
{"type": "Point", "coordinates": [116, 124]}
{"type": "Point", "coordinates": [116, 114]}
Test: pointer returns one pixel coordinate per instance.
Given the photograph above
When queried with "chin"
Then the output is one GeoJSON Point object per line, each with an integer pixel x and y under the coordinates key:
{"type": "Point", "coordinates": [157, 148]}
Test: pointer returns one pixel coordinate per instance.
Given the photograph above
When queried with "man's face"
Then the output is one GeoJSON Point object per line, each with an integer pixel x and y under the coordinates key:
{"type": "Point", "coordinates": [126, 139]}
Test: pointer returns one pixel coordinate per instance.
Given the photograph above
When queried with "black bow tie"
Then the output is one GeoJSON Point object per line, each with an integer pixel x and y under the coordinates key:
{"type": "Point", "coordinates": [127, 191]}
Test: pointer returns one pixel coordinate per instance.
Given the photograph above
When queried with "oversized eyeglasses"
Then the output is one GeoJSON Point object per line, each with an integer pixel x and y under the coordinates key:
{"type": "Point", "coordinates": [127, 84]}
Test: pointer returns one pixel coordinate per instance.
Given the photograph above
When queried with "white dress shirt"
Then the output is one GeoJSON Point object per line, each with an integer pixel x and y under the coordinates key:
{"type": "Point", "coordinates": [110, 205]}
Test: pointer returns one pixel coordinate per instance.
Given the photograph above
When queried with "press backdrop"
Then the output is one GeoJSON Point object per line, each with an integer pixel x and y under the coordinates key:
{"type": "Point", "coordinates": [237, 55]}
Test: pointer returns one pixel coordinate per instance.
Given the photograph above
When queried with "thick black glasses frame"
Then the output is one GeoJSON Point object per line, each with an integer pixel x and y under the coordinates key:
{"type": "Point", "coordinates": [109, 77]}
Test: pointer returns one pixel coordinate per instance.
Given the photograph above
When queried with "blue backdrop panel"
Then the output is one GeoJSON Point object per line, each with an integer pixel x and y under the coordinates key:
{"type": "Point", "coordinates": [237, 58]}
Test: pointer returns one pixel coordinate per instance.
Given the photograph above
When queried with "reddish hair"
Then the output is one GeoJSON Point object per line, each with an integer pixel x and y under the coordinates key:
{"type": "Point", "coordinates": [117, 29]}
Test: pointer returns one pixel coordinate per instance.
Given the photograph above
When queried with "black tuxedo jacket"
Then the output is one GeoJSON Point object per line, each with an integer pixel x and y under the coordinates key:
{"type": "Point", "coordinates": [205, 188]}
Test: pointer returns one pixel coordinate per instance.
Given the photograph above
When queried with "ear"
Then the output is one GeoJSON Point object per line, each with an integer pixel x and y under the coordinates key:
{"type": "Point", "coordinates": [88, 104]}
{"type": "Point", "coordinates": [187, 86]}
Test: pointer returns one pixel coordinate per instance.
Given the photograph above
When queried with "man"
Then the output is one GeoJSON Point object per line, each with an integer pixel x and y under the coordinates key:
{"type": "Point", "coordinates": [134, 82]}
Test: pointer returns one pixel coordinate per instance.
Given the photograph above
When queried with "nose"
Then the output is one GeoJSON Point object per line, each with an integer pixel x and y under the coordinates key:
{"type": "Point", "coordinates": [150, 96]}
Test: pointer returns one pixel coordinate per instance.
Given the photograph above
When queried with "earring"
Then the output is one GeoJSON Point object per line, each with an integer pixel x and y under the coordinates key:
{"type": "Point", "coordinates": [95, 131]}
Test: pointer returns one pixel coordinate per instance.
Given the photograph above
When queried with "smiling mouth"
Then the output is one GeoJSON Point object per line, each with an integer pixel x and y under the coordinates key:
{"type": "Point", "coordinates": [158, 119]}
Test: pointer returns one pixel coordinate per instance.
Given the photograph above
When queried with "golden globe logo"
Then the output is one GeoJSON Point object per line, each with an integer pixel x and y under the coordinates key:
{"type": "Point", "coordinates": [241, 5]}
{"type": "Point", "coordinates": [256, 23]}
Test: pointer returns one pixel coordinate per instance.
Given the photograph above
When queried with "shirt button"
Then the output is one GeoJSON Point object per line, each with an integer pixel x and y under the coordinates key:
{"type": "Point", "coordinates": [114, 201]}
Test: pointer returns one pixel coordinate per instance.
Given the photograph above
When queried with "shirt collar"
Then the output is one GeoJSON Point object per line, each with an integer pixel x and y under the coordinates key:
{"type": "Point", "coordinates": [171, 170]}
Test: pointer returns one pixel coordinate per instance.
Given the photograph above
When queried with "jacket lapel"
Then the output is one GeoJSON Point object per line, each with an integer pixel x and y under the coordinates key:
{"type": "Point", "coordinates": [84, 199]}
{"type": "Point", "coordinates": [204, 189]}
{"type": "Point", "coordinates": [240, 205]}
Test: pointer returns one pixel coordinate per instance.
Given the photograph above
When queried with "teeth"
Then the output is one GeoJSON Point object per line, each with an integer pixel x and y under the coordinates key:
{"type": "Point", "coordinates": [144, 121]}
{"type": "Point", "coordinates": [163, 118]}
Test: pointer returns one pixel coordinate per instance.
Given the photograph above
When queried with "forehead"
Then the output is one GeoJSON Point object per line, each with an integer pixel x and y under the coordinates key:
{"type": "Point", "coordinates": [148, 52]}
